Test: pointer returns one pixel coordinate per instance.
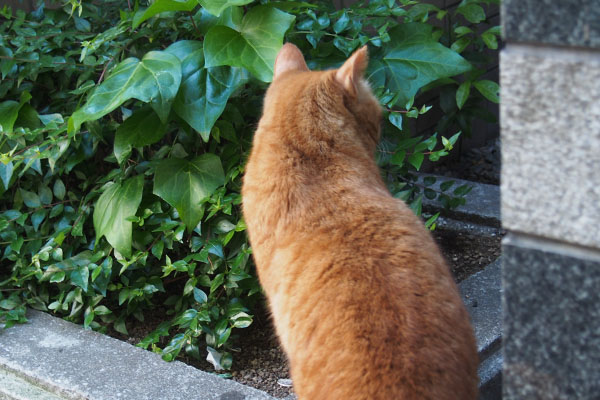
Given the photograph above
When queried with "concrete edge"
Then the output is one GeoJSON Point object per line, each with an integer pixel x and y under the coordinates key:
{"type": "Point", "coordinates": [69, 362]}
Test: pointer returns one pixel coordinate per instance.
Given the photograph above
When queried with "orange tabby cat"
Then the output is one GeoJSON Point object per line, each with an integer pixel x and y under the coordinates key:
{"type": "Point", "coordinates": [362, 300]}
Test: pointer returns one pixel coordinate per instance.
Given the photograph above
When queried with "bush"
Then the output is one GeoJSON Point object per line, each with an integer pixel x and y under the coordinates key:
{"type": "Point", "coordinates": [124, 136]}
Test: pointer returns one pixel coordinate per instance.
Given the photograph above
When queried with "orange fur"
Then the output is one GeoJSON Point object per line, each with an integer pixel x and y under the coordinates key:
{"type": "Point", "coordinates": [362, 300]}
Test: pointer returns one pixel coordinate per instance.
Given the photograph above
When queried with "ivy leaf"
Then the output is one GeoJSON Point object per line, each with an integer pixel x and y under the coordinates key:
{"type": "Point", "coordinates": [9, 111]}
{"type": "Point", "coordinates": [412, 59]}
{"type": "Point", "coordinates": [216, 7]}
{"type": "Point", "coordinates": [59, 189]}
{"type": "Point", "coordinates": [204, 91]}
{"type": "Point", "coordinates": [253, 46]}
{"type": "Point", "coordinates": [416, 159]}
{"type": "Point", "coordinates": [462, 93]}
{"type": "Point", "coordinates": [80, 277]}
{"type": "Point", "coordinates": [32, 200]}
{"type": "Point", "coordinates": [183, 184]}
{"type": "Point", "coordinates": [472, 12]}
{"type": "Point", "coordinates": [6, 171]}
{"type": "Point", "coordinates": [161, 6]}
{"type": "Point", "coordinates": [489, 89]}
{"type": "Point", "coordinates": [200, 296]}
{"type": "Point", "coordinates": [6, 64]}
{"type": "Point", "coordinates": [155, 80]}
{"type": "Point", "coordinates": [117, 203]}
{"type": "Point", "coordinates": [141, 129]}
{"type": "Point", "coordinates": [490, 40]}
{"type": "Point", "coordinates": [395, 119]}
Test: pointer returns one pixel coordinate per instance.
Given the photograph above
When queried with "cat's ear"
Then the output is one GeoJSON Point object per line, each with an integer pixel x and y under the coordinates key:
{"type": "Point", "coordinates": [352, 70]}
{"type": "Point", "coordinates": [289, 58]}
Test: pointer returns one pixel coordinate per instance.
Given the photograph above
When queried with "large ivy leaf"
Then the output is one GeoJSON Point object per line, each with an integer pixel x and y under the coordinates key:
{"type": "Point", "coordinates": [253, 46]}
{"type": "Point", "coordinates": [412, 59]}
{"type": "Point", "coordinates": [204, 92]}
{"type": "Point", "coordinates": [140, 129]}
{"type": "Point", "coordinates": [216, 7]}
{"type": "Point", "coordinates": [117, 203]}
{"type": "Point", "coordinates": [183, 184]}
{"type": "Point", "coordinates": [155, 80]}
{"type": "Point", "coordinates": [161, 6]}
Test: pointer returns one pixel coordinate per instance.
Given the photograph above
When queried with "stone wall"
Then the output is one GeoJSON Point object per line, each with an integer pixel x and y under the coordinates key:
{"type": "Point", "coordinates": [550, 132]}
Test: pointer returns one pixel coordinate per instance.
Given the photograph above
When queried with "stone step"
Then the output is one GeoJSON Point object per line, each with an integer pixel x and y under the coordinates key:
{"type": "Point", "coordinates": [481, 294]}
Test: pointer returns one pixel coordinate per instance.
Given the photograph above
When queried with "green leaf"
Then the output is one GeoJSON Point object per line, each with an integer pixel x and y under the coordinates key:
{"type": "Point", "coordinates": [216, 7]}
{"type": "Point", "coordinates": [398, 157]}
{"type": "Point", "coordinates": [472, 12]}
{"type": "Point", "coordinates": [416, 205]}
{"type": "Point", "coordinates": [80, 276]}
{"type": "Point", "coordinates": [37, 218]}
{"type": "Point", "coordinates": [204, 92]}
{"type": "Point", "coordinates": [461, 44]}
{"type": "Point", "coordinates": [446, 185]}
{"type": "Point", "coordinates": [160, 6]}
{"type": "Point", "coordinates": [6, 64]}
{"type": "Point", "coordinates": [416, 159]}
{"type": "Point", "coordinates": [490, 40]}
{"type": "Point", "coordinates": [462, 190]}
{"type": "Point", "coordinates": [9, 111]}
{"type": "Point", "coordinates": [254, 46]}
{"type": "Point", "coordinates": [341, 23]}
{"type": "Point", "coordinates": [120, 327]}
{"type": "Point", "coordinates": [155, 80]}
{"type": "Point", "coordinates": [102, 310]}
{"type": "Point", "coordinates": [57, 277]}
{"type": "Point", "coordinates": [462, 94]}
{"type": "Point", "coordinates": [429, 180]}
{"type": "Point", "coordinates": [88, 319]}
{"type": "Point", "coordinates": [32, 200]}
{"type": "Point", "coordinates": [140, 129]}
{"type": "Point", "coordinates": [45, 194]}
{"type": "Point", "coordinates": [395, 119]}
{"type": "Point", "coordinates": [200, 296]}
{"type": "Point", "coordinates": [6, 171]}
{"type": "Point", "coordinates": [117, 203]}
{"type": "Point", "coordinates": [489, 89]}
{"type": "Point", "coordinates": [412, 59]}
{"type": "Point", "coordinates": [183, 184]}
{"type": "Point", "coordinates": [59, 189]}
{"type": "Point", "coordinates": [430, 222]}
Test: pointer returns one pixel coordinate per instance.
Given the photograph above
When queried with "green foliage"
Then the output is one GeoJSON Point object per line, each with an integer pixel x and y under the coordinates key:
{"type": "Point", "coordinates": [124, 134]}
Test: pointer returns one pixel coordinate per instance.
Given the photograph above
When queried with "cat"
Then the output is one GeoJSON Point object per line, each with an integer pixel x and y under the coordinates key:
{"type": "Point", "coordinates": [362, 301]}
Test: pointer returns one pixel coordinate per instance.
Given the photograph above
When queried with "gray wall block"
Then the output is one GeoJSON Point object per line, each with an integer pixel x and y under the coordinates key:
{"type": "Point", "coordinates": [565, 22]}
{"type": "Point", "coordinates": [550, 117]}
{"type": "Point", "coordinates": [551, 320]}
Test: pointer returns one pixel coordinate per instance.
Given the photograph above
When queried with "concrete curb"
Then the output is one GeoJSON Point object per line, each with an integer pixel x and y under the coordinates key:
{"type": "Point", "coordinates": [52, 359]}
{"type": "Point", "coordinates": [49, 358]}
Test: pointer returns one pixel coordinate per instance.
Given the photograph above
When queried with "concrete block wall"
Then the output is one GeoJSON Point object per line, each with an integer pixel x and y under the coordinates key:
{"type": "Point", "coordinates": [550, 132]}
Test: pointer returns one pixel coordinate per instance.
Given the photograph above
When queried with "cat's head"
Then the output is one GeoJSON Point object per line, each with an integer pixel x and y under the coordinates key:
{"type": "Point", "coordinates": [330, 99]}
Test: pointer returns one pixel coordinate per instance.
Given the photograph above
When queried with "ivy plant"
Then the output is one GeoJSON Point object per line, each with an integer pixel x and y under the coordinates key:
{"type": "Point", "coordinates": [124, 133]}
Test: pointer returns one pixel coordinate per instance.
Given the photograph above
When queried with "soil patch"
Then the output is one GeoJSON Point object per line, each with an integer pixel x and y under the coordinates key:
{"type": "Point", "coordinates": [260, 363]}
